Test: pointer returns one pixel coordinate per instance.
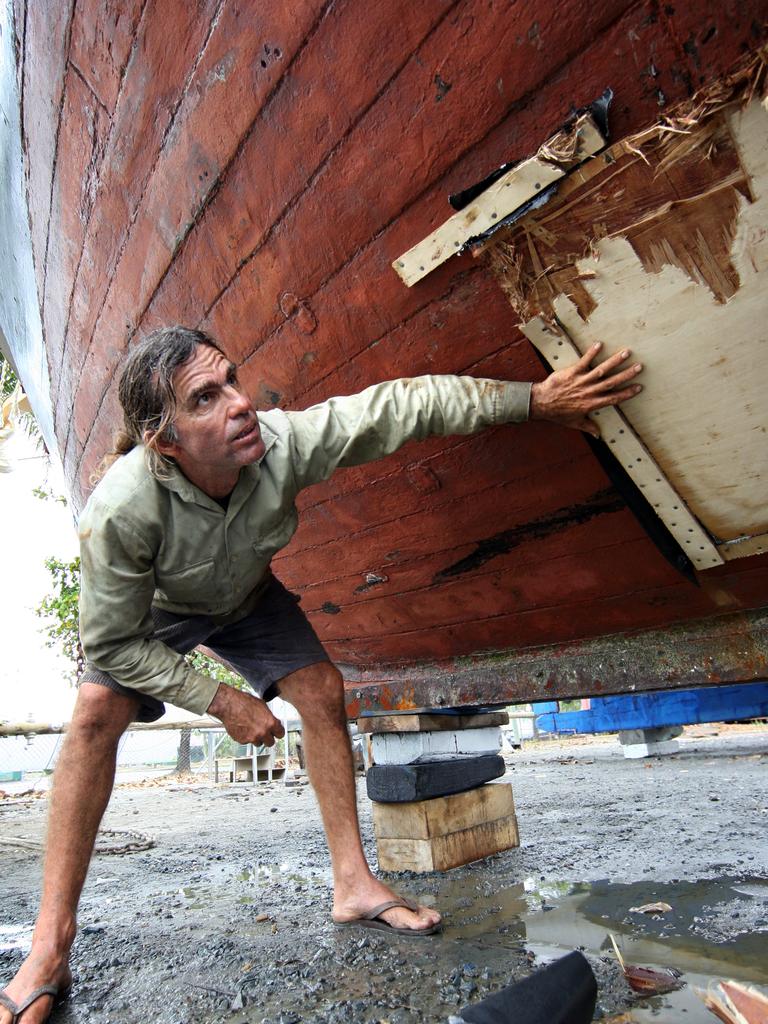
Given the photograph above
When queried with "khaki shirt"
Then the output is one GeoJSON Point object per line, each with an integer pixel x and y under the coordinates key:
{"type": "Point", "coordinates": [148, 541]}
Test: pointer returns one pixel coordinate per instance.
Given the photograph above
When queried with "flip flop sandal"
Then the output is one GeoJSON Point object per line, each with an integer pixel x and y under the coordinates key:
{"type": "Point", "coordinates": [371, 920]}
{"type": "Point", "coordinates": [59, 995]}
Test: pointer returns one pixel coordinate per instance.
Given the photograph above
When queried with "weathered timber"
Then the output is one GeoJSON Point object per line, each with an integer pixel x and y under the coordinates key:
{"type": "Point", "coordinates": [727, 649]}
{"type": "Point", "coordinates": [449, 851]}
{"type": "Point", "coordinates": [230, 84]}
{"type": "Point", "coordinates": [507, 542]}
{"type": "Point", "coordinates": [424, 819]}
{"type": "Point", "coordinates": [43, 72]}
{"type": "Point", "coordinates": [430, 722]}
{"type": "Point", "coordinates": [360, 162]}
{"type": "Point", "coordinates": [147, 106]}
{"type": "Point", "coordinates": [396, 783]}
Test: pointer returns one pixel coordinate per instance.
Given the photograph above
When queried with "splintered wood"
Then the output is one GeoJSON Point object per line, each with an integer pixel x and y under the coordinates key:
{"type": "Point", "coordinates": [736, 1004]}
{"type": "Point", "coordinates": [659, 244]}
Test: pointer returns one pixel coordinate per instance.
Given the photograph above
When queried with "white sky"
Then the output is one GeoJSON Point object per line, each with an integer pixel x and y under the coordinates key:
{"type": "Point", "coordinates": [32, 677]}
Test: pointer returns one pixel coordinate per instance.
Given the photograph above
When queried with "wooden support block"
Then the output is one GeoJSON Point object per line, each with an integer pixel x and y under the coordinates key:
{"type": "Point", "coordinates": [398, 783]}
{"type": "Point", "coordinates": [426, 819]}
{"type": "Point", "coordinates": [405, 748]}
{"type": "Point", "coordinates": [430, 722]}
{"type": "Point", "coordinates": [442, 852]}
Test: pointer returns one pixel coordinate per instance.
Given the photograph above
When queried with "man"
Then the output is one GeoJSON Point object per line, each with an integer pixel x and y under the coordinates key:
{"type": "Point", "coordinates": [176, 542]}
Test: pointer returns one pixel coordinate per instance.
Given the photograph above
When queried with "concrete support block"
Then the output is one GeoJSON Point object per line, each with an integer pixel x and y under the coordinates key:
{"type": "Point", "coordinates": [405, 748]}
{"type": "Point", "coordinates": [650, 742]}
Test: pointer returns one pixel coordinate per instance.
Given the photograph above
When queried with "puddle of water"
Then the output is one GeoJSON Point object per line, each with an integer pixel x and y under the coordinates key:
{"type": "Point", "coordinates": [263, 874]}
{"type": "Point", "coordinates": [17, 936]}
{"type": "Point", "coordinates": [204, 897]}
{"type": "Point", "coordinates": [757, 888]}
{"type": "Point", "coordinates": [201, 897]}
{"type": "Point", "coordinates": [552, 918]}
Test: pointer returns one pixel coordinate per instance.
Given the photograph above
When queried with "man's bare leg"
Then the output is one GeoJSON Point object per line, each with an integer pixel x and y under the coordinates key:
{"type": "Point", "coordinates": [82, 786]}
{"type": "Point", "coordinates": [317, 693]}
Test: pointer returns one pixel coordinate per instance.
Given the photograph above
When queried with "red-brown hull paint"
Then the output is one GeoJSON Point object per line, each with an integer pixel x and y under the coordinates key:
{"type": "Point", "coordinates": [255, 169]}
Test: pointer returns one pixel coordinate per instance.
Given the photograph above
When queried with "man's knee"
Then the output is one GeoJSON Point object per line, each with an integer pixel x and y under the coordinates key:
{"type": "Point", "coordinates": [101, 715]}
{"type": "Point", "coordinates": [316, 692]}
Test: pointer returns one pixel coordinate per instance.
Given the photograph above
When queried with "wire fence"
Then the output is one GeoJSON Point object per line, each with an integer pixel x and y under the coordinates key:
{"type": "Point", "coordinates": [27, 762]}
{"type": "Point", "coordinates": [31, 759]}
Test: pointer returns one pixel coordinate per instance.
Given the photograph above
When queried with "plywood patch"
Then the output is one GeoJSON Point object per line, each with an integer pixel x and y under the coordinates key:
{"type": "Point", "coordinates": [559, 350]}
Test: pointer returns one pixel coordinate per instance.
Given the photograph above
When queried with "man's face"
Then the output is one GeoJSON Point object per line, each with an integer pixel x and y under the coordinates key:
{"type": "Point", "coordinates": [217, 431]}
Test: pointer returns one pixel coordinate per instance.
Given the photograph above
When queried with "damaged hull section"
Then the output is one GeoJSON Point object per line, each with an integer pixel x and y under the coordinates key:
{"type": "Point", "coordinates": [661, 241]}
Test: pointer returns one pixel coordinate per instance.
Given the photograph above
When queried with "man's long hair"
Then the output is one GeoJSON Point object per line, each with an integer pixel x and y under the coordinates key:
{"type": "Point", "coordinates": [147, 396]}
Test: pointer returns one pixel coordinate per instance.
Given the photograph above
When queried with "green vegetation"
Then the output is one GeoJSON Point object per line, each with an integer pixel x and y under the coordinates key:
{"type": "Point", "coordinates": [8, 379]}
{"type": "Point", "coordinates": [211, 667]}
{"type": "Point", "coordinates": [46, 493]}
{"type": "Point", "coordinates": [61, 609]}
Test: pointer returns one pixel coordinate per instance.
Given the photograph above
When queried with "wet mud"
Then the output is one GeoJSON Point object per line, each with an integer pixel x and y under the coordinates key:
{"type": "Point", "coordinates": [226, 919]}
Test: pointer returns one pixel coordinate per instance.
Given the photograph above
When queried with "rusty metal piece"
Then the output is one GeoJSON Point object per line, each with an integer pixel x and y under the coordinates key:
{"type": "Point", "coordinates": [724, 649]}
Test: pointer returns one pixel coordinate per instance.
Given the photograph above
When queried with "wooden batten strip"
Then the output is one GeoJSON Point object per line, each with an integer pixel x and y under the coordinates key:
{"type": "Point", "coordinates": [553, 342]}
{"type": "Point", "coordinates": [515, 188]}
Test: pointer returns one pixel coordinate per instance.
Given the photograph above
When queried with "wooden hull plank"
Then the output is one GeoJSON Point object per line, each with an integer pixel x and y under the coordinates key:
{"type": "Point", "coordinates": [452, 550]}
{"type": "Point", "coordinates": [236, 72]}
{"type": "Point", "coordinates": [142, 117]}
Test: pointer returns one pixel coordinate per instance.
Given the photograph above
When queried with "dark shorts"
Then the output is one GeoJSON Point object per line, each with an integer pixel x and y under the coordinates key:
{"type": "Point", "coordinates": [270, 643]}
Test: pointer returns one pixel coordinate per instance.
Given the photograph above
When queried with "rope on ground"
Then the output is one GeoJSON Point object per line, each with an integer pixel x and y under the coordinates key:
{"type": "Point", "coordinates": [135, 842]}
{"type": "Point", "coordinates": [132, 842]}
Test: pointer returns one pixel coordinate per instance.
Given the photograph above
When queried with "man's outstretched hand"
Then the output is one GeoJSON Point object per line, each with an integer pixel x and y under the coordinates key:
{"type": "Point", "coordinates": [247, 719]}
{"type": "Point", "coordinates": [566, 396]}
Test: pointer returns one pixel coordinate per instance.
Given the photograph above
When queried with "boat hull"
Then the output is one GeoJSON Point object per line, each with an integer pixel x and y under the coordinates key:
{"type": "Point", "coordinates": [256, 173]}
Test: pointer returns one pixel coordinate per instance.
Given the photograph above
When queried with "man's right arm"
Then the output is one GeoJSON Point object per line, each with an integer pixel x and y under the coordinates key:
{"type": "Point", "coordinates": [116, 592]}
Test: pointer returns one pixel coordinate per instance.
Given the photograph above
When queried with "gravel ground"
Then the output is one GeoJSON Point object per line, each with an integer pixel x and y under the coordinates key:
{"type": "Point", "coordinates": [226, 918]}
